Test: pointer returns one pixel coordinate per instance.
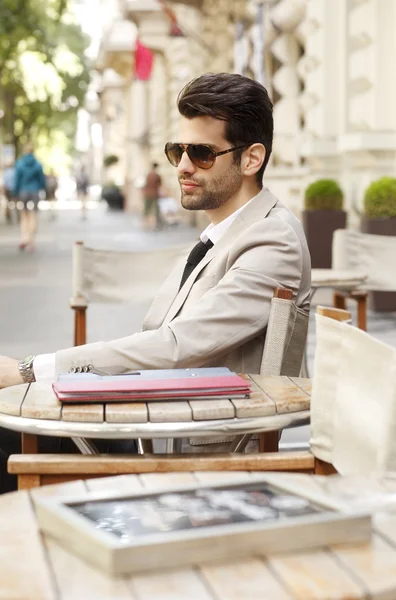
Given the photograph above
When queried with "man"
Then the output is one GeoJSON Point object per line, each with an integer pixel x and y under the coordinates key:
{"type": "Point", "coordinates": [213, 312]}
{"type": "Point", "coordinates": [29, 182]}
{"type": "Point", "coordinates": [50, 191]}
{"type": "Point", "coordinates": [151, 193]}
{"type": "Point", "coordinates": [82, 186]}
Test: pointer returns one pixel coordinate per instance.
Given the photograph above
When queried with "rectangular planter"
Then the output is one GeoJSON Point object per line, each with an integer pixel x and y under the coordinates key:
{"type": "Point", "coordinates": [319, 226]}
{"type": "Point", "coordinates": [381, 301]}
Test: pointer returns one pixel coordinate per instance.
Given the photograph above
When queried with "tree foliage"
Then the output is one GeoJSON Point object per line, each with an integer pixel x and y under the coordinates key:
{"type": "Point", "coordinates": [43, 70]}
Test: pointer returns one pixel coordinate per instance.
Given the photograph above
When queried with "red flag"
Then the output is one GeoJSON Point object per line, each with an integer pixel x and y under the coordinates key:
{"type": "Point", "coordinates": [143, 61]}
{"type": "Point", "coordinates": [175, 29]}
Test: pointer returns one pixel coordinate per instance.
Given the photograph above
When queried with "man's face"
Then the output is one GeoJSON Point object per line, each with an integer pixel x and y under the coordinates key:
{"type": "Point", "coordinates": [207, 189]}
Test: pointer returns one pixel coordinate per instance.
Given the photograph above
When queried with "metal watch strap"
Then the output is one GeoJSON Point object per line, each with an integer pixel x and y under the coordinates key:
{"type": "Point", "coordinates": [25, 366]}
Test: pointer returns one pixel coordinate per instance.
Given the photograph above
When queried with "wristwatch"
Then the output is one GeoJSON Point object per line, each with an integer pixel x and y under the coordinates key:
{"type": "Point", "coordinates": [25, 367]}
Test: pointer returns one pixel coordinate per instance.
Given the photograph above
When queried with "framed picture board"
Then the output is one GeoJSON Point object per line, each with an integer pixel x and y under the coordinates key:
{"type": "Point", "coordinates": [174, 527]}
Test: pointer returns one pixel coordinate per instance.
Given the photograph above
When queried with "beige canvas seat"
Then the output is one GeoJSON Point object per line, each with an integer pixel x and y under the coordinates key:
{"type": "Point", "coordinates": [361, 262]}
{"type": "Point", "coordinates": [116, 276]}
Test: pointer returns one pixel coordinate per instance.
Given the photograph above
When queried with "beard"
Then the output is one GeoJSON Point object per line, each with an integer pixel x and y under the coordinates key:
{"type": "Point", "coordinates": [212, 194]}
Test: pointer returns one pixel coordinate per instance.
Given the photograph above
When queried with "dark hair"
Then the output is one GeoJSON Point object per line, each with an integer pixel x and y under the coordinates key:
{"type": "Point", "coordinates": [241, 102]}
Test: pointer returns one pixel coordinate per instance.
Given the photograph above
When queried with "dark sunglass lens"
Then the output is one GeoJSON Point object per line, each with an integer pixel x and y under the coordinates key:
{"type": "Point", "coordinates": [202, 156]}
{"type": "Point", "coordinates": [174, 153]}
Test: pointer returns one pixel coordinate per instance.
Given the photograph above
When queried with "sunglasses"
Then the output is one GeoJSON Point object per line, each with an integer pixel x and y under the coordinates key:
{"type": "Point", "coordinates": [201, 155]}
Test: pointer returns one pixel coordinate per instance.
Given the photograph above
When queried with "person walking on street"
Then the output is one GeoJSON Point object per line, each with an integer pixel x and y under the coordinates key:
{"type": "Point", "coordinates": [50, 190]}
{"type": "Point", "coordinates": [151, 192]}
{"type": "Point", "coordinates": [82, 184]}
{"type": "Point", "coordinates": [8, 188]}
{"type": "Point", "coordinates": [29, 181]}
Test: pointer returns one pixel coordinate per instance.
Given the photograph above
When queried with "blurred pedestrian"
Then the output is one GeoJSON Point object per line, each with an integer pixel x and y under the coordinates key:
{"type": "Point", "coordinates": [50, 190]}
{"type": "Point", "coordinates": [82, 185]}
{"type": "Point", "coordinates": [8, 188]}
{"type": "Point", "coordinates": [29, 181]}
{"type": "Point", "coordinates": [151, 192]}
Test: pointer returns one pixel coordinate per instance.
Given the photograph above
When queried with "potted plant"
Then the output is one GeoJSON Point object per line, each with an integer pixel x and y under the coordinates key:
{"type": "Point", "coordinates": [323, 214]}
{"type": "Point", "coordinates": [111, 192]}
{"type": "Point", "coordinates": [380, 218]}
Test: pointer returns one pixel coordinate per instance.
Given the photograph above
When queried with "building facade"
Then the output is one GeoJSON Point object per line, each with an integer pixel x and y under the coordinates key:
{"type": "Point", "coordinates": [326, 64]}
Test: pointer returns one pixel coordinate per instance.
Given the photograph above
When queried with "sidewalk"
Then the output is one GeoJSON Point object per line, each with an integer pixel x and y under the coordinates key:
{"type": "Point", "coordinates": [35, 288]}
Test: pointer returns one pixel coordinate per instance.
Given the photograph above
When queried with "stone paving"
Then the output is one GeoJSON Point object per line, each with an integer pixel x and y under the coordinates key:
{"type": "Point", "coordinates": [35, 288]}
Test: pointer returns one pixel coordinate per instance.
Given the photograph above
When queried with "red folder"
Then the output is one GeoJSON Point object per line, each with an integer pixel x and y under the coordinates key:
{"type": "Point", "coordinates": [155, 389]}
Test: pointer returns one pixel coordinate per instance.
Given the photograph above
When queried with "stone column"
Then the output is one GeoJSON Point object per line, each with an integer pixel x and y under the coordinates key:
{"type": "Point", "coordinates": [137, 143]}
{"type": "Point", "coordinates": [321, 69]}
{"type": "Point", "coordinates": [368, 140]}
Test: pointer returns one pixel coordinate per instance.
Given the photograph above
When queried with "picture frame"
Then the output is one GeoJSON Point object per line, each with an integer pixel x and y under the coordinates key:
{"type": "Point", "coordinates": [125, 533]}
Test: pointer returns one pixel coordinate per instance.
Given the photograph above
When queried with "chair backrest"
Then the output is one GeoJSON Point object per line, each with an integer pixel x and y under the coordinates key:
{"type": "Point", "coordinates": [116, 276]}
{"type": "Point", "coordinates": [353, 403]}
{"type": "Point", "coordinates": [372, 255]}
{"type": "Point", "coordinates": [286, 336]}
{"type": "Point", "coordinates": [121, 276]}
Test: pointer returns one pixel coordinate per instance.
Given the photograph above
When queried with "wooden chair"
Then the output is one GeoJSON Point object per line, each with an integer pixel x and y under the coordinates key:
{"type": "Point", "coordinates": [34, 470]}
{"type": "Point", "coordinates": [361, 262]}
{"type": "Point", "coordinates": [116, 276]}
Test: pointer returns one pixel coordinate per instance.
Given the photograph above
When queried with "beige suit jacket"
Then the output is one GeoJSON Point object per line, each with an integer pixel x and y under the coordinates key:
{"type": "Point", "coordinates": [220, 316]}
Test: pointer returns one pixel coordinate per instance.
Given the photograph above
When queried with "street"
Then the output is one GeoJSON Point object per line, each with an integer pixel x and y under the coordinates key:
{"type": "Point", "coordinates": [36, 287]}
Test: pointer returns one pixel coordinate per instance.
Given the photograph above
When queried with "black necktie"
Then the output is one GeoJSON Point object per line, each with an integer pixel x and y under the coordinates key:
{"type": "Point", "coordinates": [195, 257]}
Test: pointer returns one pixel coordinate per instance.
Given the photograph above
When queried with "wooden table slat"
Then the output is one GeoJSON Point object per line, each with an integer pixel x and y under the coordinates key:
{"type": "Point", "coordinates": [119, 483]}
{"type": "Point", "coordinates": [315, 575]}
{"type": "Point", "coordinates": [11, 399]}
{"type": "Point", "coordinates": [244, 580]}
{"type": "Point", "coordinates": [374, 564]}
{"type": "Point", "coordinates": [303, 383]}
{"type": "Point", "coordinates": [134, 412]}
{"type": "Point", "coordinates": [169, 412]}
{"type": "Point", "coordinates": [171, 585]}
{"type": "Point", "coordinates": [258, 405]}
{"type": "Point", "coordinates": [79, 580]}
{"type": "Point", "coordinates": [287, 396]}
{"type": "Point", "coordinates": [24, 571]}
{"type": "Point", "coordinates": [204, 410]}
{"type": "Point", "coordinates": [153, 481]}
{"type": "Point", "coordinates": [83, 413]}
{"type": "Point", "coordinates": [39, 403]}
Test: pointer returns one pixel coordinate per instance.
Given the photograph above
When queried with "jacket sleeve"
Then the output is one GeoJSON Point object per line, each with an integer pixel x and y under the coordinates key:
{"type": "Point", "coordinates": [224, 317]}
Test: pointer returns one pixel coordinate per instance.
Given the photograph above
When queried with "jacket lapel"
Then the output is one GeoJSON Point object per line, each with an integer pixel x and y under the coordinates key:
{"type": "Point", "coordinates": [257, 209]}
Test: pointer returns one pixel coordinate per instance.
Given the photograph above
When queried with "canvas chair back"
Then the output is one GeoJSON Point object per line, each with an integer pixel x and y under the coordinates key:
{"type": "Point", "coordinates": [286, 336]}
{"type": "Point", "coordinates": [353, 402]}
{"type": "Point", "coordinates": [367, 254]}
{"type": "Point", "coordinates": [121, 276]}
{"type": "Point", "coordinates": [283, 354]}
{"type": "Point", "coordinates": [117, 276]}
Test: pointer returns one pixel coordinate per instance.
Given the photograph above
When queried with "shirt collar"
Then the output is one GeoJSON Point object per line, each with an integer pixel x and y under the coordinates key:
{"type": "Point", "coordinates": [215, 232]}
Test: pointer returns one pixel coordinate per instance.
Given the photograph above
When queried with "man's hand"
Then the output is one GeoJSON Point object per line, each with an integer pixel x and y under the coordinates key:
{"type": "Point", "coordinates": [9, 372]}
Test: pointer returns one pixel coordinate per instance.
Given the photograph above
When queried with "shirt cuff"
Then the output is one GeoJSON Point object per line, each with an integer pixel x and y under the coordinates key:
{"type": "Point", "coordinates": [44, 367]}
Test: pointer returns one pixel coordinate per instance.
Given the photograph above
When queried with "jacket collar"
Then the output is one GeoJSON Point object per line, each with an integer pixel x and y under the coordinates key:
{"type": "Point", "coordinates": [257, 209]}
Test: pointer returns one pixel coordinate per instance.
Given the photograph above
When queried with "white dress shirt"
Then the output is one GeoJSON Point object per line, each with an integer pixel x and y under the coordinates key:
{"type": "Point", "coordinates": [44, 364]}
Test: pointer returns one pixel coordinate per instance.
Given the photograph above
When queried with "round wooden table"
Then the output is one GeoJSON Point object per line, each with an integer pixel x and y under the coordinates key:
{"type": "Point", "coordinates": [275, 403]}
{"type": "Point", "coordinates": [35, 567]}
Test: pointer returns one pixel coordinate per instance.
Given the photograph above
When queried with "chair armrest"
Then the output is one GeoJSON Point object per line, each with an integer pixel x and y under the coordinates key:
{"type": "Point", "coordinates": [74, 464]}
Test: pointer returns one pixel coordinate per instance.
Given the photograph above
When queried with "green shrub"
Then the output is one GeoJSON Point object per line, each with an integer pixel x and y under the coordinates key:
{"type": "Point", "coordinates": [323, 193]}
{"type": "Point", "coordinates": [110, 159]}
{"type": "Point", "coordinates": [380, 198]}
